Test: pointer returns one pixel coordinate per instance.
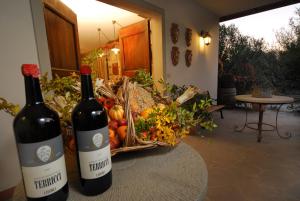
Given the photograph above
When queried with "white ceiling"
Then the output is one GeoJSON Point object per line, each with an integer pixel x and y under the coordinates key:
{"type": "Point", "coordinates": [223, 8]}
{"type": "Point", "coordinates": [91, 15]}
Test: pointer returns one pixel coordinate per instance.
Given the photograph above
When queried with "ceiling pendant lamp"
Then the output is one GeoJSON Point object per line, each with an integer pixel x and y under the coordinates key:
{"type": "Point", "coordinates": [101, 53]}
{"type": "Point", "coordinates": [115, 48]}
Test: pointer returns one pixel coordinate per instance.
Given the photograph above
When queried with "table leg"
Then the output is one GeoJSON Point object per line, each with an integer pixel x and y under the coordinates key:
{"type": "Point", "coordinates": [287, 134]}
{"type": "Point", "coordinates": [260, 120]}
{"type": "Point", "coordinates": [237, 129]}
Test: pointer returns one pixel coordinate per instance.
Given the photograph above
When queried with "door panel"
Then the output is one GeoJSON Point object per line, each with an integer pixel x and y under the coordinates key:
{"type": "Point", "coordinates": [135, 48]}
{"type": "Point", "coordinates": [62, 35]}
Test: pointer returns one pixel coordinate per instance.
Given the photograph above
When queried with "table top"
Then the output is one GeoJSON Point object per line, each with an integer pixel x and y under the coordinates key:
{"type": "Point", "coordinates": [165, 174]}
{"type": "Point", "coordinates": [273, 100]}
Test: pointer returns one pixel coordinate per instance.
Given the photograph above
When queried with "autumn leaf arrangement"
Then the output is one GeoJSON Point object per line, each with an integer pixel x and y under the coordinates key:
{"type": "Point", "coordinates": [163, 116]}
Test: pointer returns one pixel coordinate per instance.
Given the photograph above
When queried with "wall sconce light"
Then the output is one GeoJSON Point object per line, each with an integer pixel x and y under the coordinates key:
{"type": "Point", "coordinates": [205, 37]}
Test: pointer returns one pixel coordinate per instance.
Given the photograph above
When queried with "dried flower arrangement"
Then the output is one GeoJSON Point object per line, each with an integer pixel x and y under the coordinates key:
{"type": "Point", "coordinates": [134, 123]}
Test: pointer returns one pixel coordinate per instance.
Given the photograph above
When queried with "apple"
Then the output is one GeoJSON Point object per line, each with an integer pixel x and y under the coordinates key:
{"type": "Point", "coordinates": [122, 122]}
{"type": "Point", "coordinates": [152, 129]}
{"type": "Point", "coordinates": [113, 124]}
{"type": "Point", "coordinates": [114, 142]}
{"type": "Point", "coordinates": [111, 133]}
{"type": "Point", "coordinates": [153, 137]}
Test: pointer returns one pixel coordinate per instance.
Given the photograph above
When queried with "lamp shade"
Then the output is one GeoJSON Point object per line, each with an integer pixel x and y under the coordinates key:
{"type": "Point", "coordinates": [206, 37]}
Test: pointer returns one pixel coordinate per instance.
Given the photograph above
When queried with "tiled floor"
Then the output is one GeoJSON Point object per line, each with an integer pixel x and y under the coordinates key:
{"type": "Point", "coordinates": [240, 169]}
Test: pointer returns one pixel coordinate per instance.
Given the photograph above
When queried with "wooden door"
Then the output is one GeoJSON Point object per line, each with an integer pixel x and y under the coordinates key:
{"type": "Point", "coordinates": [62, 35]}
{"type": "Point", "coordinates": [135, 51]}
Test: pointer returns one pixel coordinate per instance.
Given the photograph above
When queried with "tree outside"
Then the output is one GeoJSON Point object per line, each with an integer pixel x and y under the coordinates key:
{"type": "Point", "coordinates": [252, 63]}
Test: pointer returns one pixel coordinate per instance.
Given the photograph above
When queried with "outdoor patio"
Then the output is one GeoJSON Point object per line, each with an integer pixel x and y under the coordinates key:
{"type": "Point", "coordinates": [241, 169]}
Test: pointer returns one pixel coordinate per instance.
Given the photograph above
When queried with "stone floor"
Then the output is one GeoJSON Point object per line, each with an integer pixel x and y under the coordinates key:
{"type": "Point", "coordinates": [240, 169]}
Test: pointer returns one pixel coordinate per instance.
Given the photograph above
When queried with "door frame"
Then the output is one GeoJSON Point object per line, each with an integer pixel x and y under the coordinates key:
{"type": "Point", "coordinates": [39, 27]}
{"type": "Point", "coordinates": [157, 27]}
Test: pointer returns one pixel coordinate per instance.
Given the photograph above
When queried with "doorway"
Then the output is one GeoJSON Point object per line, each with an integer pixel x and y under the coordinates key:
{"type": "Point", "coordinates": [155, 36]}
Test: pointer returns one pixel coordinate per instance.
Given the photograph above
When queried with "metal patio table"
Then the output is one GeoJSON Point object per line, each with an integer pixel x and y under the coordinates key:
{"type": "Point", "coordinates": [274, 100]}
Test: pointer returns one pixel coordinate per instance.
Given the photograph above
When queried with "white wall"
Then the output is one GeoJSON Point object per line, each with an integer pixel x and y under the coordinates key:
{"type": "Point", "coordinates": [204, 68]}
{"type": "Point", "coordinates": [17, 47]}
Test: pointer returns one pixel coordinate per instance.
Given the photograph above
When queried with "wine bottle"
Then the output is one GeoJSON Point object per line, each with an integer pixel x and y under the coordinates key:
{"type": "Point", "coordinates": [39, 142]}
{"type": "Point", "coordinates": [92, 141]}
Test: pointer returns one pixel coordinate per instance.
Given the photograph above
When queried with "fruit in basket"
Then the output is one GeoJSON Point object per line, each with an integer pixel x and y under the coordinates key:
{"type": "Point", "coordinates": [153, 137]}
{"type": "Point", "coordinates": [111, 133]}
{"type": "Point", "coordinates": [116, 112]}
{"type": "Point", "coordinates": [122, 132]}
{"type": "Point", "coordinates": [101, 100]}
{"type": "Point", "coordinates": [113, 124]}
{"type": "Point", "coordinates": [114, 143]}
{"type": "Point", "coordinates": [122, 122]}
{"type": "Point", "coordinates": [109, 103]}
{"type": "Point", "coordinates": [113, 140]}
{"type": "Point", "coordinates": [144, 135]}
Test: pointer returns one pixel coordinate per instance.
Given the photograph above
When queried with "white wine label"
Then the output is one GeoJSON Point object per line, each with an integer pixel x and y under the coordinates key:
{"type": "Point", "coordinates": [43, 167]}
{"type": "Point", "coordinates": [95, 164]}
{"type": "Point", "coordinates": [94, 153]}
{"type": "Point", "coordinates": [46, 179]}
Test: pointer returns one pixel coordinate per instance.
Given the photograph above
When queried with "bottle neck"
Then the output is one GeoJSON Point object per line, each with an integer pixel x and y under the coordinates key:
{"type": "Point", "coordinates": [86, 87]}
{"type": "Point", "coordinates": [33, 91]}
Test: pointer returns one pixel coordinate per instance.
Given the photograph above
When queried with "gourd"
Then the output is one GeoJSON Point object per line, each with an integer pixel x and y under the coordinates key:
{"type": "Point", "coordinates": [116, 112]}
{"type": "Point", "coordinates": [122, 132]}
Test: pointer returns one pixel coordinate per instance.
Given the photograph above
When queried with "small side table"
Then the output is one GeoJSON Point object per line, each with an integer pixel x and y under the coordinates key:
{"type": "Point", "coordinates": [274, 100]}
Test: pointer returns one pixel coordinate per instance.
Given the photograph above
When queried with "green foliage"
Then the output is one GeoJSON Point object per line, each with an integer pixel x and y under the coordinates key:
{"type": "Point", "coordinates": [143, 78]}
{"type": "Point", "coordinates": [142, 125]}
{"type": "Point", "coordinates": [289, 55]}
{"type": "Point", "coordinates": [61, 94]}
{"type": "Point", "coordinates": [61, 86]}
{"type": "Point", "coordinates": [253, 63]}
{"type": "Point", "coordinates": [8, 107]}
{"type": "Point", "coordinates": [245, 56]}
{"type": "Point", "coordinates": [91, 57]}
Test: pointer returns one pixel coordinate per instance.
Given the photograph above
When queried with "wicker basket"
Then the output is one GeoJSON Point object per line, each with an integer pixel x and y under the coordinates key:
{"type": "Point", "coordinates": [131, 142]}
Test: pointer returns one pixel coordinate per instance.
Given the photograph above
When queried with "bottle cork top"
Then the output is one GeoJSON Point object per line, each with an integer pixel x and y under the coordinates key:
{"type": "Point", "coordinates": [30, 70]}
{"type": "Point", "coordinates": [85, 70]}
